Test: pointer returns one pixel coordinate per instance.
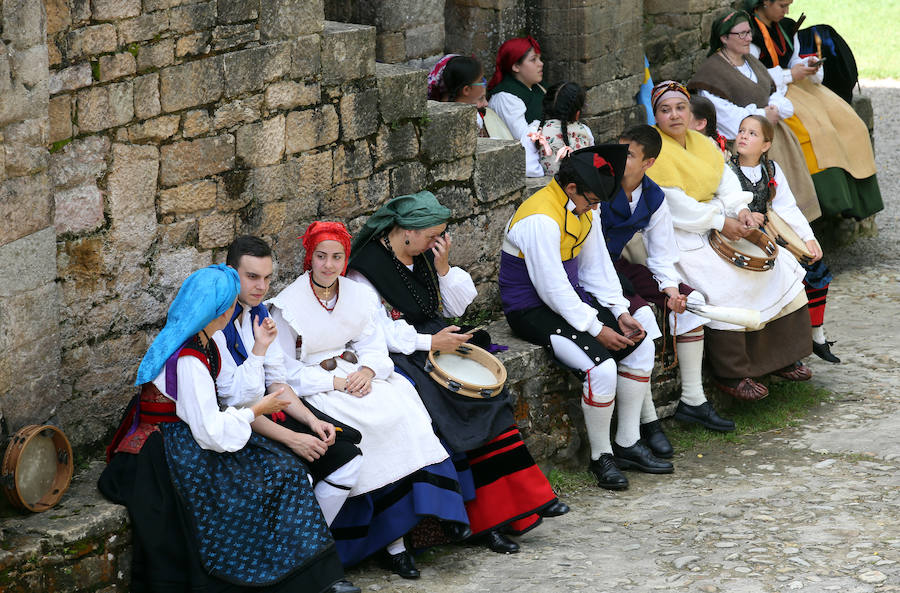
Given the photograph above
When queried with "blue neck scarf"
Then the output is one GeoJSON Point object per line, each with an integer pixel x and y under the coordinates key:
{"type": "Point", "coordinates": [233, 338]}
{"type": "Point", "coordinates": [620, 223]}
{"type": "Point", "coordinates": [204, 295]}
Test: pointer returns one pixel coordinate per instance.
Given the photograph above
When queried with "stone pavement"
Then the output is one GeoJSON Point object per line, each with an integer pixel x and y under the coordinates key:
{"type": "Point", "coordinates": [815, 507]}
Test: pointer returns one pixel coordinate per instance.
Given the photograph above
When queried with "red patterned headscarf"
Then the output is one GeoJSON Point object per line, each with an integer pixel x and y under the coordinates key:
{"type": "Point", "coordinates": [666, 90]}
{"type": "Point", "coordinates": [317, 232]}
{"type": "Point", "coordinates": [509, 53]}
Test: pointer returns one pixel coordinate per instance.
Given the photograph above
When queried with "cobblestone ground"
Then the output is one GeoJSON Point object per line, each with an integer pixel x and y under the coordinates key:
{"type": "Point", "coordinates": [815, 507]}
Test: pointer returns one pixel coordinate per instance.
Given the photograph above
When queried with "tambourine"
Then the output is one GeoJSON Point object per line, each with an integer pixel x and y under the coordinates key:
{"type": "Point", "coordinates": [781, 232]}
{"type": "Point", "coordinates": [37, 467]}
{"type": "Point", "coordinates": [468, 370]}
{"type": "Point", "coordinates": [756, 252]}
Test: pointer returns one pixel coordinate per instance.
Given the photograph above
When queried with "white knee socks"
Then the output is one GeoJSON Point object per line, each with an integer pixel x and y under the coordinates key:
{"type": "Point", "coordinates": [631, 386]}
{"type": "Point", "coordinates": [332, 492]}
{"type": "Point", "coordinates": [690, 365]}
{"type": "Point", "coordinates": [597, 404]}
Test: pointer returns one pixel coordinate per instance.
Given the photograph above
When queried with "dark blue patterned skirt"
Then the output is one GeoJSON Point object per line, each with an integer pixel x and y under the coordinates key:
{"type": "Point", "coordinates": [369, 522]}
{"type": "Point", "coordinates": [253, 512]}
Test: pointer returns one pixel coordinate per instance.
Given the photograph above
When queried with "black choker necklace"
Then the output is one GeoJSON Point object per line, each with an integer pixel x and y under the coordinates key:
{"type": "Point", "coordinates": [322, 285]}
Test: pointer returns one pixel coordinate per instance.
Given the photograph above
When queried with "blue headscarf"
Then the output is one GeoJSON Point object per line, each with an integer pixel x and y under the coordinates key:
{"type": "Point", "coordinates": [204, 295]}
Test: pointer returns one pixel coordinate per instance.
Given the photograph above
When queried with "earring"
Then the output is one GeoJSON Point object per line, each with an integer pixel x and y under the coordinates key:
{"type": "Point", "coordinates": [406, 241]}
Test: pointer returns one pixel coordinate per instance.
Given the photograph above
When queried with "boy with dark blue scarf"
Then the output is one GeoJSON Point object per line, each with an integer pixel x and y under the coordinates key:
{"type": "Point", "coordinates": [640, 207]}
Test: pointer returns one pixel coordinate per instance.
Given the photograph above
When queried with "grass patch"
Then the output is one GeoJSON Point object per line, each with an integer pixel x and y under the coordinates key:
{"type": "Point", "coordinates": [567, 482]}
{"type": "Point", "coordinates": [859, 23]}
{"type": "Point", "coordinates": [785, 406]}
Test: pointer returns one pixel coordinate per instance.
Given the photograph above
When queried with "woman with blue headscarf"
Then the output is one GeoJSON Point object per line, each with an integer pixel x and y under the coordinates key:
{"type": "Point", "coordinates": [213, 506]}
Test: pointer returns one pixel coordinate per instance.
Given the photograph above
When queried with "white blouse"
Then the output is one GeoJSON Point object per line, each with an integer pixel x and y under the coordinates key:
{"type": "Point", "coordinates": [783, 76]}
{"type": "Point", "coordinates": [692, 216]}
{"type": "Point", "coordinates": [659, 241]}
{"type": "Point", "coordinates": [538, 238]}
{"type": "Point", "coordinates": [511, 110]}
{"type": "Point", "coordinates": [217, 430]}
{"type": "Point", "coordinates": [783, 202]}
{"type": "Point", "coordinates": [245, 384]}
{"type": "Point", "coordinates": [457, 293]}
{"type": "Point", "coordinates": [730, 115]}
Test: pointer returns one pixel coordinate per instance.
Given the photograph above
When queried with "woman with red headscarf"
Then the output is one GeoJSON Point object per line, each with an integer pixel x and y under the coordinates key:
{"type": "Point", "coordinates": [342, 367]}
{"type": "Point", "coordinates": [515, 91]}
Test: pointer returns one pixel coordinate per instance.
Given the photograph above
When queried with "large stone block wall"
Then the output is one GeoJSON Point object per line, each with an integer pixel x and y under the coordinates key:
{"type": "Point", "coordinates": [29, 312]}
{"type": "Point", "coordinates": [676, 35]}
{"type": "Point", "coordinates": [139, 138]}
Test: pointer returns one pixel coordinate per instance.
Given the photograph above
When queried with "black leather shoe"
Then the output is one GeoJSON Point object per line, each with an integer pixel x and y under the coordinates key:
{"type": "Point", "coordinates": [344, 586]}
{"type": "Point", "coordinates": [823, 351]}
{"type": "Point", "coordinates": [456, 532]}
{"type": "Point", "coordinates": [704, 415]}
{"type": "Point", "coordinates": [556, 509]}
{"type": "Point", "coordinates": [638, 456]}
{"type": "Point", "coordinates": [654, 437]}
{"type": "Point", "coordinates": [402, 564]}
{"type": "Point", "coordinates": [607, 474]}
{"type": "Point", "coordinates": [501, 544]}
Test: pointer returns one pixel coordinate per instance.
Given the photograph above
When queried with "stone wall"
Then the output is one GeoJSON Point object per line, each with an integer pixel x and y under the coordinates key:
{"type": "Point", "coordinates": [29, 311]}
{"type": "Point", "coordinates": [676, 35]}
{"type": "Point", "coordinates": [139, 138]}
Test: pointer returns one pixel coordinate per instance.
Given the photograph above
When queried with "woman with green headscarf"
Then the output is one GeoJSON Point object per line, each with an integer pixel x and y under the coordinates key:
{"type": "Point", "coordinates": [403, 253]}
{"type": "Point", "coordinates": [739, 85]}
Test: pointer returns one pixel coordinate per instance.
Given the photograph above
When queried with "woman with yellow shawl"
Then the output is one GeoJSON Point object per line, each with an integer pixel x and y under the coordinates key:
{"type": "Point", "coordinates": [703, 194]}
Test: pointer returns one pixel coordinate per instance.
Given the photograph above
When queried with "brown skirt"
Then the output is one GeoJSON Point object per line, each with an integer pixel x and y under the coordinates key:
{"type": "Point", "coordinates": [739, 354]}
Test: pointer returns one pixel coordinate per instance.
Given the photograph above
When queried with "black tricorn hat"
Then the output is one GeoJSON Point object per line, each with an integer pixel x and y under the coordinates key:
{"type": "Point", "coordinates": [601, 168]}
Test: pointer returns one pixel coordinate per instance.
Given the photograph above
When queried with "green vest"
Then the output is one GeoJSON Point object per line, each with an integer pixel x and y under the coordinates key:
{"type": "Point", "coordinates": [533, 97]}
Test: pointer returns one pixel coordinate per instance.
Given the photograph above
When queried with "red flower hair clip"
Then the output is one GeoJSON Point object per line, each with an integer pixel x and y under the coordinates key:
{"type": "Point", "coordinates": [772, 183]}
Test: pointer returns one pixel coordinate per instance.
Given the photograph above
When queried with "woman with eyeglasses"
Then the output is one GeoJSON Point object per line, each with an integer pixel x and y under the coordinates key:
{"type": "Point", "coordinates": [835, 140]}
{"type": "Point", "coordinates": [739, 85]}
{"type": "Point", "coordinates": [342, 367]}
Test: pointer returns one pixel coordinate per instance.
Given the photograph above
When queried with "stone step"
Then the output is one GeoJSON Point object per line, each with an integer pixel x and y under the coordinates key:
{"type": "Point", "coordinates": [348, 52]}
{"type": "Point", "coordinates": [401, 91]}
{"type": "Point", "coordinates": [499, 168]}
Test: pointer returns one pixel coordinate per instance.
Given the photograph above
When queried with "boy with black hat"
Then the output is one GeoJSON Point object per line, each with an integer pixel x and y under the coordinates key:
{"type": "Point", "coordinates": [559, 289]}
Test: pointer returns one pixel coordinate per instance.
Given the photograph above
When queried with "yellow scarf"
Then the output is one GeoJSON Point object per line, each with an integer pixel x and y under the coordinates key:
{"type": "Point", "coordinates": [696, 169]}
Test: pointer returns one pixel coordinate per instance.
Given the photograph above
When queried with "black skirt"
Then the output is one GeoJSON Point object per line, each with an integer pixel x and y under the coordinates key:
{"type": "Point", "coordinates": [165, 556]}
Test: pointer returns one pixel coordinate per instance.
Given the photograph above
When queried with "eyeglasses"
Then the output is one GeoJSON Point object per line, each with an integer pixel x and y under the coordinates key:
{"type": "Point", "coordinates": [482, 83]}
{"type": "Point", "coordinates": [742, 34]}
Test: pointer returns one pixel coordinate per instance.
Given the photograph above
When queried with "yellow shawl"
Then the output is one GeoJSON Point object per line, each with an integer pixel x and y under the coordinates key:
{"type": "Point", "coordinates": [696, 169]}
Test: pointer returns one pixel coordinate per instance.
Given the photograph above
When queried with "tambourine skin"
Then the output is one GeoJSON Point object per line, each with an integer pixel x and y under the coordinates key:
{"type": "Point", "coordinates": [753, 263]}
{"type": "Point", "coordinates": [461, 386]}
{"type": "Point", "coordinates": [780, 232]}
{"type": "Point", "coordinates": [37, 467]}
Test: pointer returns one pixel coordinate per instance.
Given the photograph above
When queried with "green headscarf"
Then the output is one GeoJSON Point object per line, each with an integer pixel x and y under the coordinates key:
{"type": "Point", "coordinates": [415, 211]}
{"type": "Point", "coordinates": [751, 5]}
{"type": "Point", "coordinates": [723, 25]}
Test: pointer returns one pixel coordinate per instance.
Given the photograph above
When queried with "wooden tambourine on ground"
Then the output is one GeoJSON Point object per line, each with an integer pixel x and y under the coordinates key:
{"type": "Point", "coordinates": [785, 236]}
{"type": "Point", "coordinates": [756, 252]}
{"type": "Point", "coordinates": [37, 467]}
{"type": "Point", "coordinates": [469, 370]}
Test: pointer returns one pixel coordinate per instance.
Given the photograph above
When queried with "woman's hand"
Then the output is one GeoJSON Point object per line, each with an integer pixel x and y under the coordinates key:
{"type": "Point", "coordinates": [772, 114]}
{"type": "Point", "coordinates": [441, 251]}
{"type": "Point", "coordinates": [359, 383]}
{"type": "Point", "coordinates": [447, 340]}
{"type": "Point", "coordinates": [799, 71]}
{"type": "Point", "coordinates": [815, 249]}
{"type": "Point", "coordinates": [270, 404]}
{"type": "Point", "coordinates": [734, 229]}
{"type": "Point", "coordinates": [675, 300]}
